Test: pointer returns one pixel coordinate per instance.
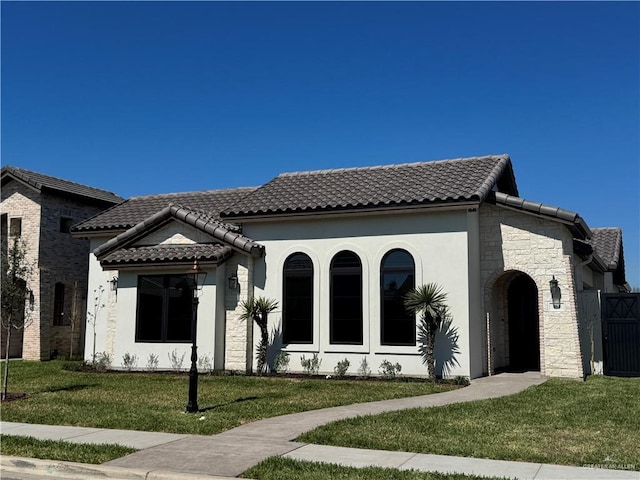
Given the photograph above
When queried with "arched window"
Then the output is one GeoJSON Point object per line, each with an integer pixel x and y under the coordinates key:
{"type": "Point", "coordinates": [346, 299]}
{"type": "Point", "coordinates": [297, 308]}
{"type": "Point", "coordinates": [397, 277]}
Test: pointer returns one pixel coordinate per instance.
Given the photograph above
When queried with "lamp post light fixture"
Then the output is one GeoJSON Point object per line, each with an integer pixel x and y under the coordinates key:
{"type": "Point", "coordinates": [556, 294]}
{"type": "Point", "coordinates": [195, 278]}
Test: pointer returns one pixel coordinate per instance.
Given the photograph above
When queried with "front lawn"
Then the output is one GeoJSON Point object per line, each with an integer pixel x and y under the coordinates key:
{"type": "Point", "coordinates": [63, 451]}
{"type": "Point", "coordinates": [278, 468]}
{"type": "Point", "coordinates": [156, 401]}
{"type": "Point", "coordinates": [596, 422]}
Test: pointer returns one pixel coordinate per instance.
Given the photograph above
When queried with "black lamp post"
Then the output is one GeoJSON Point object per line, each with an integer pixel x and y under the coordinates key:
{"type": "Point", "coordinates": [195, 278]}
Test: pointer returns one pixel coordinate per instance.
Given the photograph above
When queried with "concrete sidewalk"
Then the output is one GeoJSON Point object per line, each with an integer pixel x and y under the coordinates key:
{"type": "Point", "coordinates": [232, 452]}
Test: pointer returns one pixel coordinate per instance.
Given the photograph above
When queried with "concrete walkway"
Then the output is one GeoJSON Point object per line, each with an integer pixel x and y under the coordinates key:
{"type": "Point", "coordinates": [232, 452]}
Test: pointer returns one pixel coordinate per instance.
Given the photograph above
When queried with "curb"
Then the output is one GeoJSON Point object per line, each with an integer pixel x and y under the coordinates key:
{"type": "Point", "coordinates": [83, 471]}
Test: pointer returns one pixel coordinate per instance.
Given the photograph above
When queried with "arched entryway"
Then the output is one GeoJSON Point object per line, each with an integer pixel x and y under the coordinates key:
{"type": "Point", "coordinates": [524, 324]}
{"type": "Point", "coordinates": [514, 323]}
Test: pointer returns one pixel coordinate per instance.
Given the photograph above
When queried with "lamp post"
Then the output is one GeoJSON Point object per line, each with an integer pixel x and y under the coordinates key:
{"type": "Point", "coordinates": [195, 278]}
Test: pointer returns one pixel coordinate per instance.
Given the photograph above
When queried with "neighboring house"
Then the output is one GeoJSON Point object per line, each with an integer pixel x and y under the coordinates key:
{"type": "Point", "coordinates": [338, 249]}
{"type": "Point", "coordinates": [40, 209]}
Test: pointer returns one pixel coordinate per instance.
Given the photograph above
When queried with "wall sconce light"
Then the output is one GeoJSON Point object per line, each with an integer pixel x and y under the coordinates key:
{"type": "Point", "coordinates": [556, 294]}
{"type": "Point", "coordinates": [114, 284]}
{"type": "Point", "coordinates": [233, 282]}
{"type": "Point", "coordinates": [32, 299]}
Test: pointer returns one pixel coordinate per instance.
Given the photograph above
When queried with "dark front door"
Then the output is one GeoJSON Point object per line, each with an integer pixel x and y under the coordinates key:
{"type": "Point", "coordinates": [524, 334]}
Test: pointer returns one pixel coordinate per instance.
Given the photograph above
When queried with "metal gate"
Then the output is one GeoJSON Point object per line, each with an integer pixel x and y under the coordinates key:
{"type": "Point", "coordinates": [621, 334]}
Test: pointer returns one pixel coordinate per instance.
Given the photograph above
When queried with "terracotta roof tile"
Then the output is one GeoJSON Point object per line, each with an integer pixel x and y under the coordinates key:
{"type": "Point", "coordinates": [167, 253]}
{"type": "Point", "coordinates": [607, 242]}
{"type": "Point", "coordinates": [444, 181]}
{"type": "Point", "coordinates": [137, 209]}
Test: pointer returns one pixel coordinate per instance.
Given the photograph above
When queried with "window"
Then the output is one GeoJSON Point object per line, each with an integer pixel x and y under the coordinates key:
{"type": "Point", "coordinates": [58, 305]}
{"type": "Point", "coordinates": [297, 308]}
{"type": "Point", "coordinates": [397, 274]}
{"type": "Point", "coordinates": [164, 309]}
{"type": "Point", "coordinates": [15, 227]}
{"type": "Point", "coordinates": [65, 224]}
{"type": "Point", "coordinates": [346, 299]}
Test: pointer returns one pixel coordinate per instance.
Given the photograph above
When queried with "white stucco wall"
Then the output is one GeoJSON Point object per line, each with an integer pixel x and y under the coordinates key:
{"type": "Point", "coordinates": [436, 240]}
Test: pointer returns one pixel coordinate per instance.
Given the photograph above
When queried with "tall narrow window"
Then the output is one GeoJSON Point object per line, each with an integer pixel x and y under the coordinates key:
{"type": "Point", "coordinates": [397, 277]}
{"type": "Point", "coordinates": [58, 305]}
{"type": "Point", "coordinates": [15, 227]}
{"type": "Point", "coordinates": [297, 308]}
{"type": "Point", "coordinates": [346, 299]}
{"type": "Point", "coordinates": [164, 309]}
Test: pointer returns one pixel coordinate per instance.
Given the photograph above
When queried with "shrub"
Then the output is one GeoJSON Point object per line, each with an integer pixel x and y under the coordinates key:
{"type": "Point", "coordinates": [281, 362]}
{"type": "Point", "coordinates": [364, 371]}
{"type": "Point", "coordinates": [103, 362]}
{"type": "Point", "coordinates": [311, 366]}
{"type": "Point", "coordinates": [175, 360]}
{"type": "Point", "coordinates": [340, 370]}
{"type": "Point", "coordinates": [129, 361]}
{"type": "Point", "coordinates": [152, 362]}
{"type": "Point", "coordinates": [205, 364]}
{"type": "Point", "coordinates": [389, 370]}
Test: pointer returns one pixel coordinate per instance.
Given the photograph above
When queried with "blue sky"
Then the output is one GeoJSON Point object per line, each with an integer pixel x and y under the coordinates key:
{"type": "Point", "coordinates": [156, 97]}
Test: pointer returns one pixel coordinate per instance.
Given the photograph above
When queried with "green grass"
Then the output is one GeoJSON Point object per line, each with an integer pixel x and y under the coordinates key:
{"type": "Point", "coordinates": [156, 402]}
{"type": "Point", "coordinates": [562, 422]}
{"type": "Point", "coordinates": [58, 450]}
{"type": "Point", "coordinates": [278, 468]}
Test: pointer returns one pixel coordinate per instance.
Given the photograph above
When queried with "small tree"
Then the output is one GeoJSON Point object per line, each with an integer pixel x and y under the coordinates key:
{"type": "Point", "coordinates": [92, 317]}
{"type": "Point", "coordinates": [429, 301]}
{"type": "Point", "coordinates": [16, 272]}
{"type": "Point", "coordinates": [258, 310]}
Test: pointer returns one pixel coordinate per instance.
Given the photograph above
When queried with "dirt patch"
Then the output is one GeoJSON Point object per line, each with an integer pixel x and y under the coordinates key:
{"type": "Point", "coordinates": [12, 396]}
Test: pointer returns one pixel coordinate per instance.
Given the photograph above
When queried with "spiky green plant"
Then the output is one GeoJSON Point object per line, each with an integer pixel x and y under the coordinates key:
{"type": "Point", "coordinates": [258, 310]}
{"type": "Point", "coordinates": [428, 301]}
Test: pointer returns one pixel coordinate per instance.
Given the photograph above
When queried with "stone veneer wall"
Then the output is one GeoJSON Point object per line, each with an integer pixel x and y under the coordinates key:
{"type": "Point", "coordinates": [238, 333]}
{"type": "Point", "coordinates": [20, 201]}
{"type": "Point", "coordinates": [59, 258]}
{"type": "Point", "coordinates": [512, 241]}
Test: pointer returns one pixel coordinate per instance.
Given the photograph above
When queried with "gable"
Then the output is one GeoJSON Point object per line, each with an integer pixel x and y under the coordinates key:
{"type": "Point", "coordinates": [175, 233]}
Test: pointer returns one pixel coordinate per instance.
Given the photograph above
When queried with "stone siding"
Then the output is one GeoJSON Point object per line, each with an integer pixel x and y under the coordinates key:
{"type": "Point", "coordinates": [59, 258]}
{"type": "Point", "coordinates": [238, 333]}
{"type": "Point", "coordinates": [511, 242]}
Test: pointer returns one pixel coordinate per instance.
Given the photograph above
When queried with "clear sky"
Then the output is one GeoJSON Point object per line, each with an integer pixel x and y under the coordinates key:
{"type": "Point", "coordinates": [154, 97]}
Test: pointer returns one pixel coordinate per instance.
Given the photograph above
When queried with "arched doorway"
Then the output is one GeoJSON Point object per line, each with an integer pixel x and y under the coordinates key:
{"type": "Point", "coordinates": [524, 324]}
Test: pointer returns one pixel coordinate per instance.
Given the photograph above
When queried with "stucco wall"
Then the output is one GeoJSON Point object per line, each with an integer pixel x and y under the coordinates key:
{"type": "Point", "coordinates": [541, 248]}
{"type": "Point", "coordinates": [436, 240]}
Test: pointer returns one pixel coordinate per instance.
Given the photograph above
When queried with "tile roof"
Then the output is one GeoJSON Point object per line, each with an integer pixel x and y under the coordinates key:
{"type": "Point", "coordinates": [204, 223]}
{"type": "Point", "coordinates": [137, 209]}
{"type": "Point", "coordinates": [134, 256]}
{"type": "Point", "coordinates": [607, 242]}
{"type": "Point", "coordinates": [424, 183]}
{"type": "Point", "coordinates": [575, 222]}
{"type": "Point", "coordinates": [47, 183]}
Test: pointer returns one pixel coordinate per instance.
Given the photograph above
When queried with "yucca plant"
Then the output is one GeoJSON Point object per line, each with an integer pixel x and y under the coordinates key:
{"type": "Point", "coordinates": [428, 301]}
{"type": "Point", "coordinates": [258, 309]}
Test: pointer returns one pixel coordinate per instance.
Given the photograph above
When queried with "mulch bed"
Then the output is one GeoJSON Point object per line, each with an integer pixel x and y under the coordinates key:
{"type": "Point", "coordinates": [11, 396]}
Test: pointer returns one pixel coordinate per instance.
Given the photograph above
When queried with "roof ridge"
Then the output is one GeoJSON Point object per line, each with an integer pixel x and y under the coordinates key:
{"type": "Point", "coordinates": [394, 165]}
{"type": "Point", "coordinates": [193, 192]}
{"type": "Point", "coordinates": [27, 172]}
